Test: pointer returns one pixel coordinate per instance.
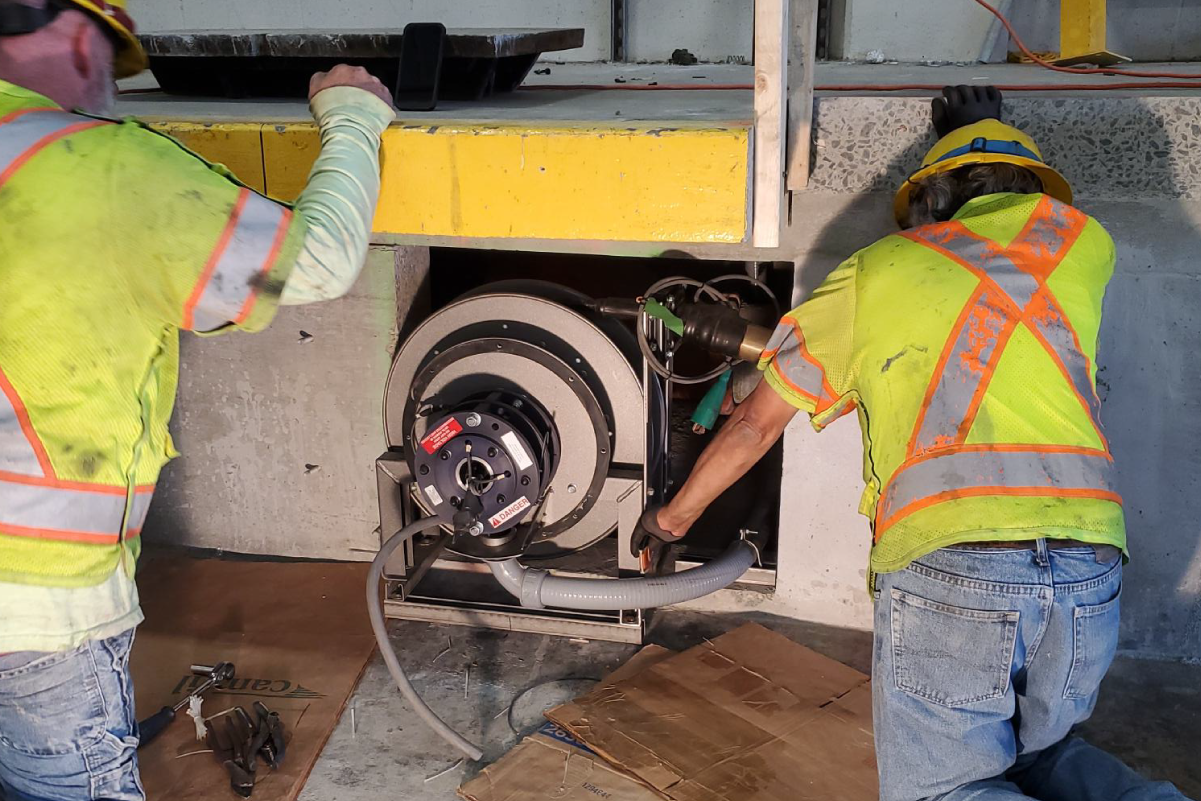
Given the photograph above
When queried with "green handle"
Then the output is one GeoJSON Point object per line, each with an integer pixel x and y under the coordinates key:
{"type": "Point", "coordinates": [656, 309]}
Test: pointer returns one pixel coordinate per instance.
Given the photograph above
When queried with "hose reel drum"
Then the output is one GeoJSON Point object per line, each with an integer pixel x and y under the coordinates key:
{"type": "Point", "coordinates": [521, 415]}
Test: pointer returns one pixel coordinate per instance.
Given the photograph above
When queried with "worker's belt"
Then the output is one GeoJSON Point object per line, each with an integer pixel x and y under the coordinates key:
{"type": "Point", "coordinates": [1104, 553]}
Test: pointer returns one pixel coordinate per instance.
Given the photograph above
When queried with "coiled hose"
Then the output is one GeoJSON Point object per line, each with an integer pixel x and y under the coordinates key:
{"type": "Point", "coordinates": [375, 610]}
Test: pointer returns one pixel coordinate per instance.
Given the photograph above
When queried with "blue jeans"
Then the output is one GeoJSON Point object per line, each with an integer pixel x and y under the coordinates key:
{"type": "Point", "coordinates": [984, 661]}
{"type": "Point", "coordinates": [67, 726]}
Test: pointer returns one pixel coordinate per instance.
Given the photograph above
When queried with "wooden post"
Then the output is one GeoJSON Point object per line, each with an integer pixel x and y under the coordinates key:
{"type": "Point", "coordinates": [771, 103]}
{"type": "Point", "coordinates": [801, 57]}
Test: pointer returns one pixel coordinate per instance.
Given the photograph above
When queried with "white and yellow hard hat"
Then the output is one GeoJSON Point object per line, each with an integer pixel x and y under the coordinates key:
{"type": "Point", "coordinates": [983, 142]}
{"type": "Point", "coordinates": [130, 57]}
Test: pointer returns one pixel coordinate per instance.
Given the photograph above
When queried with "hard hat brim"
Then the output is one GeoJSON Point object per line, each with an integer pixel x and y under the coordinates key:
{"type": "Point", "coordinates": [130, 58]}
{"type": "Point", "coordinates": [1054, 184]}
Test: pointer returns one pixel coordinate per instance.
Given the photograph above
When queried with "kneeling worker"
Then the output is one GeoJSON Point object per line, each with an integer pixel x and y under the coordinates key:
{"type": "Point", "coordinates": [967, 343]}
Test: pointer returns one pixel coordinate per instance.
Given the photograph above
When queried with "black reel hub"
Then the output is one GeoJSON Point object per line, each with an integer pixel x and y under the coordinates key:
{"type": "Point", "coordinates": [483, 468]}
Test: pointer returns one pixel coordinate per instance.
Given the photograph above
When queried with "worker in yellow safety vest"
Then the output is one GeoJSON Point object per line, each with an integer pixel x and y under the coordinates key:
{"type": "Point", "coordinates": [967, 345]}
{"type": "Point", "coordinates": [113, 238]}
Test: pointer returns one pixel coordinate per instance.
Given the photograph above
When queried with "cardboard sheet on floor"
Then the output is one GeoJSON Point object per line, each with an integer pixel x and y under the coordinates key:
{"type": "Point", "coordinates": [551, 764]}
{"type": "Point", "coordinates": [298, 635]}
{"type": "Point", "coordinates": [750, 716]}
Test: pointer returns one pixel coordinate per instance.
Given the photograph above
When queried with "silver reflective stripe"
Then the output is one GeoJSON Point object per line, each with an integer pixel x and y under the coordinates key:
{"type": "Point", "coordinates": [965, 370]}
{"type": "Point", "coordinates": [1050, 472]}
{"type": "Point", "coordinates": [797, 371]}
{"type": "Point", "coordinates": [16, 451]}
{"type": "Point", "coordinates": [24, 132]}
{"type": "Point", "coordinates": [243, 253]}
{"type": "Point", "coordinates": [986, 256]}
{"type": "Point", "coordinates": [1051, 324]}
{"type": "Point", "coordinates": [67, 514]}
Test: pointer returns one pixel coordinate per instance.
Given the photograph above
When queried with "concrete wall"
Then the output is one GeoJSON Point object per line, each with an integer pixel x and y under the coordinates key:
{"type": "Point", "coordinates": [716, 30]}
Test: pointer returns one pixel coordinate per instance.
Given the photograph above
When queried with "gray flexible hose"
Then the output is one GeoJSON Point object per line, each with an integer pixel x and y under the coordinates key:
{"type": "Point", "coordinates": [537, 589]}
{"type": "Point", "coordinates": [375, 609]}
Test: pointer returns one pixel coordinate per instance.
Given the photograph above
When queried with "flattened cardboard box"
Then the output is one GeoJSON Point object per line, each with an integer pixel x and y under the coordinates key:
{"type": "Point", "coordinates": [551, 764]}
{"type": "Point", "coordinates": [750, 716]}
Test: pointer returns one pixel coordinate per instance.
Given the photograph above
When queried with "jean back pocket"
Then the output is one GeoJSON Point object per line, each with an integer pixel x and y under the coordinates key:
{"type": "Point", "coordinates": [1094, 644]}
{"type": "Point", "coordinates": [950, 655]}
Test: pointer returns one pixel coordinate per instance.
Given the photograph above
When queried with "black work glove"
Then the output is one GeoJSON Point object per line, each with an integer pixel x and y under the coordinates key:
{"type": "Point", "coordinates": [649, 534]}
{"type": "Point", "coordinates": [230, 736]}
{"type": "Point", "coordinates": [963, 105]}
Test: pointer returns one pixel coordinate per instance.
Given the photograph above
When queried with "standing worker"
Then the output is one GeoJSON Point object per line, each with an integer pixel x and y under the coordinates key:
{"type": "Point", "coordinates": [967, 343]}
{"type": "Point", "coordinates": [112, 239]}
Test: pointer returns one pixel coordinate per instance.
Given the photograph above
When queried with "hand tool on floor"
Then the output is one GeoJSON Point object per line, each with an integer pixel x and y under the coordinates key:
{"type": "Point", "coordinates": [154, 725]}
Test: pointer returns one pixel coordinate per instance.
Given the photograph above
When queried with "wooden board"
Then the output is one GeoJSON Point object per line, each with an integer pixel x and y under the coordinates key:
{"type": "Point", "coordinates": [771, 103]}
{"type": "Point", "coordinates": [801, 58]}
{"type": "Point", "coordinates": [298, 635]}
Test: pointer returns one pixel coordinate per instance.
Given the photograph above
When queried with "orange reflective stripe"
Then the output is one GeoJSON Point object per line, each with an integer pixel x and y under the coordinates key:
{"type": "Point", "coordinates": [21, 451]}
{"type": "Point", "coordinates": [940, 466]}
{"type": "Point", "coordinates": [25, 132]}
{"type": "Point", "coordinates": [95, 515]}
{"type": "Point", "coordinates": [247, 249]}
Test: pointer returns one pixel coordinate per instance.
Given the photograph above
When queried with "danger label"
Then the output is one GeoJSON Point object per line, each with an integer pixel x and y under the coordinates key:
{"type": "Point", "coordinates": [441, 435]}
{"type": "Point", "coordinates": [510, 512]}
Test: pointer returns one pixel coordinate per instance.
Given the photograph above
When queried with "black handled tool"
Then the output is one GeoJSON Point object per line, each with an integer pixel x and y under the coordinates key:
{"type": "Point", "coordinates": [154, 725]}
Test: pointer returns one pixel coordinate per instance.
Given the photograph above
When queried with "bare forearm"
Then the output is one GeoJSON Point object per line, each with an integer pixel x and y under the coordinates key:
{"type": "Point", "coordinates": [743, 440]}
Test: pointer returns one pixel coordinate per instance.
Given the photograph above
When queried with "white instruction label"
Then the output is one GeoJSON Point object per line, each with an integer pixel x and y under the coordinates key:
{"type": "Point", "coordinates": [432, 493]}
{"type": "Point", "coordinates": [516, 451]}
{"type": "Point", "coordinates": [510, 512]}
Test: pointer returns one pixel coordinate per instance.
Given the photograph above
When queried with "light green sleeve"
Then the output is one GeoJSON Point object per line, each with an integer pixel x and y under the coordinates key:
{"type": "Point", "coordinates": [338, 202]}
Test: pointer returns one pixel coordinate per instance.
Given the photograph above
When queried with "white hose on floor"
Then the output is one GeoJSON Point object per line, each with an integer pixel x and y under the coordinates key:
{"type": "Point", "coordinates": [375, 610]}
{"type": "Point", "coordinates": [537, 589]}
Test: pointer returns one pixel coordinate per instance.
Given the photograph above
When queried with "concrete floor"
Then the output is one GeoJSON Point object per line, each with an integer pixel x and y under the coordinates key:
{"type": "Point", "coordinates": [1149, 713]}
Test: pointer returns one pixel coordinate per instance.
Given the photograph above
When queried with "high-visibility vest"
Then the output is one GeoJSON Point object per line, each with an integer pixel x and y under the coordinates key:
{"type": "Point", "coordinates": [112, 238]}
{"type": "Point", "coordinates": [968, 348]}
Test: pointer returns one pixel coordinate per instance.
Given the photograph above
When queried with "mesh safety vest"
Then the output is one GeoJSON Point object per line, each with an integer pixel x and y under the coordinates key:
{"type": "Point", "coordinates": [112, 239]}
{"type": "Point", "coordinates": [968, 348]}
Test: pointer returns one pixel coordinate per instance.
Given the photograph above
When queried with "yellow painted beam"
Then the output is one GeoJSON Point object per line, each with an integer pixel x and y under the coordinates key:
{"type": "Point", "coordinates": [639, 184]}
{"type": "Point", "coordinates": [1082, 34]}
{"type": "Point", "coordinates": [238, 146]}
{"type": "Point", "coordinates": [545, 182]}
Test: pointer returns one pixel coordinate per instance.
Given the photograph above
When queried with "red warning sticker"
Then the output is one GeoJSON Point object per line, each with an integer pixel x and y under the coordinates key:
{"type": "Point", "coordinates": [441, 435]}
{"type": "Point", "coordinates": [509, 512]}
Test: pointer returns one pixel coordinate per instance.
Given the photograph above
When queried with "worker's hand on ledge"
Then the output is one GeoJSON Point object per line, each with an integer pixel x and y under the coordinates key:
{"type": "Point", "coordinates": [651, 533]}
{"type": "Point", "coordinates": [964, 105]}
{"type": "Point", "coordinates": [345, 75]}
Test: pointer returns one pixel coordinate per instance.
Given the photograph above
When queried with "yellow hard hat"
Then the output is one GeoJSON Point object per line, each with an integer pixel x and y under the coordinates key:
{"type": "Point", "coordinates": [130, 57]}
{"type": "Point", "coordinates": [984, 142]}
